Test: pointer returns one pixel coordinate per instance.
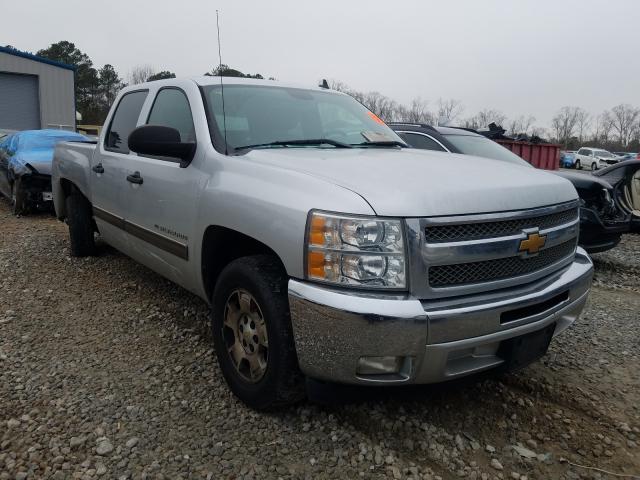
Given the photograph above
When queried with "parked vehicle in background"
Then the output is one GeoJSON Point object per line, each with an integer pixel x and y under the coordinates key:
{"type": "Point", "coordinates": [454, 140]}
{"type": "Point", "coordinates": [4, 133]}
{"type": "Point", "coordinates": [607, 198]}
{"type": "Point", "coordinates": [594, 158]}
{"type": "Point", "coordinates": [628, 155]}
{"type": "Point", "coordinates": [327, 249]}
{"type": "Point", "coordinates": [610, 204]}
{"type": "Point", "coordinates": [25, 166]}
{"type": "Point", "coordinates": [568, 159]}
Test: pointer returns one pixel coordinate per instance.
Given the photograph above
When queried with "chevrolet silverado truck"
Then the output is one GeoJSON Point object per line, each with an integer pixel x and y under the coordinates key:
{"type": "Point", "coordinates": [327, 249]}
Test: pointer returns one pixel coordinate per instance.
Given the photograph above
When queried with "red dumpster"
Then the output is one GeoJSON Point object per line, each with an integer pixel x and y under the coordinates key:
{"type": "Point", "coordinates": [540, 155]}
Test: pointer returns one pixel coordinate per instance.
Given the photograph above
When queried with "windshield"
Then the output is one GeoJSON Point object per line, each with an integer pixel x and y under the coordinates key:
{"type": "Point", "coordinates": [483, 147]}
{"type": "Point", "coordinates": [603, 154]}
{"type": "Point", "coordinates": [258, 115]}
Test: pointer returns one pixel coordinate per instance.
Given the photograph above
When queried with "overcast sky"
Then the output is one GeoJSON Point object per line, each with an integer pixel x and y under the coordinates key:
{"type": "Point", "coordinates": [521, 57]}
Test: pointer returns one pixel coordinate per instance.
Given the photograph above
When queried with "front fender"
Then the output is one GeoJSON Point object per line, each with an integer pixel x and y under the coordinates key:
{"type": "Point", "coordinates": [271, 205]}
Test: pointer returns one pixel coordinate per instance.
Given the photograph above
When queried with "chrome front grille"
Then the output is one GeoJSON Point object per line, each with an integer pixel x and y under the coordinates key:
{"type": "Point", "coordinates": [475, 231]}
{"type": "Point", "coordinates": [469, 254]}
{"type": "Point", "coordinates": [491, 270]}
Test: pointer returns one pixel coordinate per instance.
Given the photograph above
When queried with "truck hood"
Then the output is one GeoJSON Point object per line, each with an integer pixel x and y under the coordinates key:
{"type": "Point", "coordinates": [414, 183]}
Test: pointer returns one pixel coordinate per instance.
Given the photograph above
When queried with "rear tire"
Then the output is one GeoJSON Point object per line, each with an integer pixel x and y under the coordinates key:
{"type": "Point", "coordinates": [79, 219]}
{"type": "Point", "coordinates": [18, 198]}
{"type": "Point", "coordinates": [577, 165]}
{"type": "Point", "coordinates": [252, 333]}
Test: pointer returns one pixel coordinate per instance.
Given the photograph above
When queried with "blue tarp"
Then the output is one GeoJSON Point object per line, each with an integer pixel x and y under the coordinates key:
{"type": "Point", "coordinates": [35, 148]}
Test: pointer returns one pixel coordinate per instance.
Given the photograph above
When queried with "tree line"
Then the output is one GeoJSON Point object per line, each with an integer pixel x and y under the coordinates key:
{"type": "Point", "coordinates": [615, 129]}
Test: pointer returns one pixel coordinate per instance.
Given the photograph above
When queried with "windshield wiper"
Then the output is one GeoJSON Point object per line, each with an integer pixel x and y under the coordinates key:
{"type": "Point", "coordinates": [285, 143]}
{"type": "Point", "coordinates": [381, 143]}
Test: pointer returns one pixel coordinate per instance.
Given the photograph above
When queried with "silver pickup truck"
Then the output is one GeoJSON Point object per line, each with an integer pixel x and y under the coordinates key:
{"type": "Point", "coordinates": [327, 249]}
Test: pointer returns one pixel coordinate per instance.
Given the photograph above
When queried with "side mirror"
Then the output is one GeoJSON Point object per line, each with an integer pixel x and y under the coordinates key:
{"type": "Point", "coordinates": [159, 141]}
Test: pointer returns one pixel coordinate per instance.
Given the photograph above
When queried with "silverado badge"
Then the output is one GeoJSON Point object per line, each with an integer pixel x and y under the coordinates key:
{"type": "Point", "coordinates": [533, 243]}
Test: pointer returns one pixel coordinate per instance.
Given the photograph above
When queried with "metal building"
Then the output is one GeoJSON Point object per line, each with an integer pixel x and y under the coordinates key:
{"type": "Point", "coordinates": [35, 92]}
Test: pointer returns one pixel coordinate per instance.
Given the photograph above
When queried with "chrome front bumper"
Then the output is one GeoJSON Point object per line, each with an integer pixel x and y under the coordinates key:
{"type": "Point", "coordinates": [437, 340]}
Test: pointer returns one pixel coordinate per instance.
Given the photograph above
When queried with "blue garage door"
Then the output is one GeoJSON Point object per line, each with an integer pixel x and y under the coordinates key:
{"type": "Point", "coordinates": [19, 102]}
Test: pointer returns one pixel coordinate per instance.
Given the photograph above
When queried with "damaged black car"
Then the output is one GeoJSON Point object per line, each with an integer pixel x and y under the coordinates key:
{"type": "Point", "coordinates": [609, 198]}
{"type": "Point", "coordinates": [610, 204]}
{"type": "Point", "coordinates": [25, 167]}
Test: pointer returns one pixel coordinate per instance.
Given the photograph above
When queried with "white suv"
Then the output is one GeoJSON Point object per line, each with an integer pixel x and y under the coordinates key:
{"type": "Point", "coordinates": [595, 158]}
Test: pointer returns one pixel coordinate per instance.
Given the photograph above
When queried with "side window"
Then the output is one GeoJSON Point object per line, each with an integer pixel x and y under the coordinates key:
{"type": "Point", "coordinates": [581, 152]}
{"type": "Point", "coordinates": [171, 109]}
{"type": "Point", "coordinates": [124, 121]}
{"type": "Point", "coordinates": [421, 141]}
{"type": "Point", "coordinates": [587, 152]}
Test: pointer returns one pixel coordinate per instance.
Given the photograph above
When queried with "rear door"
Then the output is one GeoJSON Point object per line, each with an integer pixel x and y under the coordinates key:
{"type": "Point", "coordinates": [161, 196]}
{"type": "Point", "coordinates": [109, 170]}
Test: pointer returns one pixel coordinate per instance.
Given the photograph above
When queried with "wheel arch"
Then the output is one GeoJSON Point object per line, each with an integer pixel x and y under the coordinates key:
{"type": "Point", "coordinates": [222, 245]}
{"type": "Point", "coordinates": [62, 189]}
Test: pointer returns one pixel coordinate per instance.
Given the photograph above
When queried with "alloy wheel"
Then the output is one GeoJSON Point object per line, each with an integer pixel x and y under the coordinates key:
{"type": "Point", "coordinates": [245, 333]}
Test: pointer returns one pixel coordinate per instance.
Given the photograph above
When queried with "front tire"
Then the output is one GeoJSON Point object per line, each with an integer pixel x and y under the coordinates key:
{"type": "Point", "coordinates": [79, 219]}
{"type": "Point", "coordinates": [594, 166]}
{"type": "Point", "coordinates": [252, 333]}
{"type": "Point", "coordinates": [18, 198]}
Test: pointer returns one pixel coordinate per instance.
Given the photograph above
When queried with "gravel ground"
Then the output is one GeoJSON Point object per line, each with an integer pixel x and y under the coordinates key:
{"type": "Point", "coordinates": [106, 370]}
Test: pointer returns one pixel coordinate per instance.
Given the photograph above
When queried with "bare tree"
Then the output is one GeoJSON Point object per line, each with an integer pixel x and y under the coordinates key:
{"type": "Point", "coordinates": [448, 111]}
{"type": "Point", "coordinates": [140, 74]}
{"type": "Point", "coordinates": [564, 124]}
{"type": "Point", "coordinates": [540, 132]}
{"type": "Point", "coordinates": [521, 125]}
{"type": "Point", "coordinates": [624, 118]}
{"type": "Point", "coordinates": [603, 124]}
{"type": "Point", "coordinates": [484, 117]}
{"type": "Point", "coordinates": [384, 107]}
{"type": "Point", "coordinates": [416, 112]}
{"type": "Point", "coordinates": [583, 122]}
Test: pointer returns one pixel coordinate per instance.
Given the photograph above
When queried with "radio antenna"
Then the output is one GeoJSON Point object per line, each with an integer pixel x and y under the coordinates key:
{"type": "Point", "coordinates": [224, 114]}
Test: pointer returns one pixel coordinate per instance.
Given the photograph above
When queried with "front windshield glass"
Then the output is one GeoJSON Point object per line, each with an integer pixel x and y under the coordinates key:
{"type": "Point", "coordinates": [257, 114]}
{"type": "Point", "coordinates": [483, 147]}
{"type": "Point", "coordinates": [603, 154]}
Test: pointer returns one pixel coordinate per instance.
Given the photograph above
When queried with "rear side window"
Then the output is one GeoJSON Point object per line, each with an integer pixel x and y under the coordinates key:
{"type": "Point", "coordinates": [124, 121]}
{"type": "Point", "coordinates": [421, 141]}
{"type": "Point", "coordinates": [171, 109]}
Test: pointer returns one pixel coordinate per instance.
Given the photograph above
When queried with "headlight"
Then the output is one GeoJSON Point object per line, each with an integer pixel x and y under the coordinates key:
{"type": "Point", "coordinates": [366, 252]}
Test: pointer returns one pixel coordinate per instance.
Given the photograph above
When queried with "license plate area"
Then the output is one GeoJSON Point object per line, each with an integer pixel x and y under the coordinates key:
{"type": "Point", "coordinates": [520, 351]}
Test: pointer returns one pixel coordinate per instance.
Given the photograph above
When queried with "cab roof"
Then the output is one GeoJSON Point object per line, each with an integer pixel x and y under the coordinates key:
{"type": "Point", "coordinates": [205, 80]}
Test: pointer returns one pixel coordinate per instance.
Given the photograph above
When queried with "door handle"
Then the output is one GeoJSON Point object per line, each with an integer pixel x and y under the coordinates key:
{"type": "Point", "coordinates": [135, 178]}
{"type": "Point", "coordinates": [98, 168]}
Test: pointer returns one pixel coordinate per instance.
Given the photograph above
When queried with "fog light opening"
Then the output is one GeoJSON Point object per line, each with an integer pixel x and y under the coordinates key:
{"type": "Point", "coordinates": [379, 365]}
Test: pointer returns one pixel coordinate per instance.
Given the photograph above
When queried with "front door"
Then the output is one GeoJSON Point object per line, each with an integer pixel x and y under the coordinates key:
{"type": "Point", "coordinates": [108, 171]}
{"type": "Point", "coordinates": [161, 198]}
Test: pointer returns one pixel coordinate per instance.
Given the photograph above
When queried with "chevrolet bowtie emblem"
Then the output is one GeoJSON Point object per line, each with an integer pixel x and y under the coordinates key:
{"type": "Point", "coordinates": [533, 243]}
